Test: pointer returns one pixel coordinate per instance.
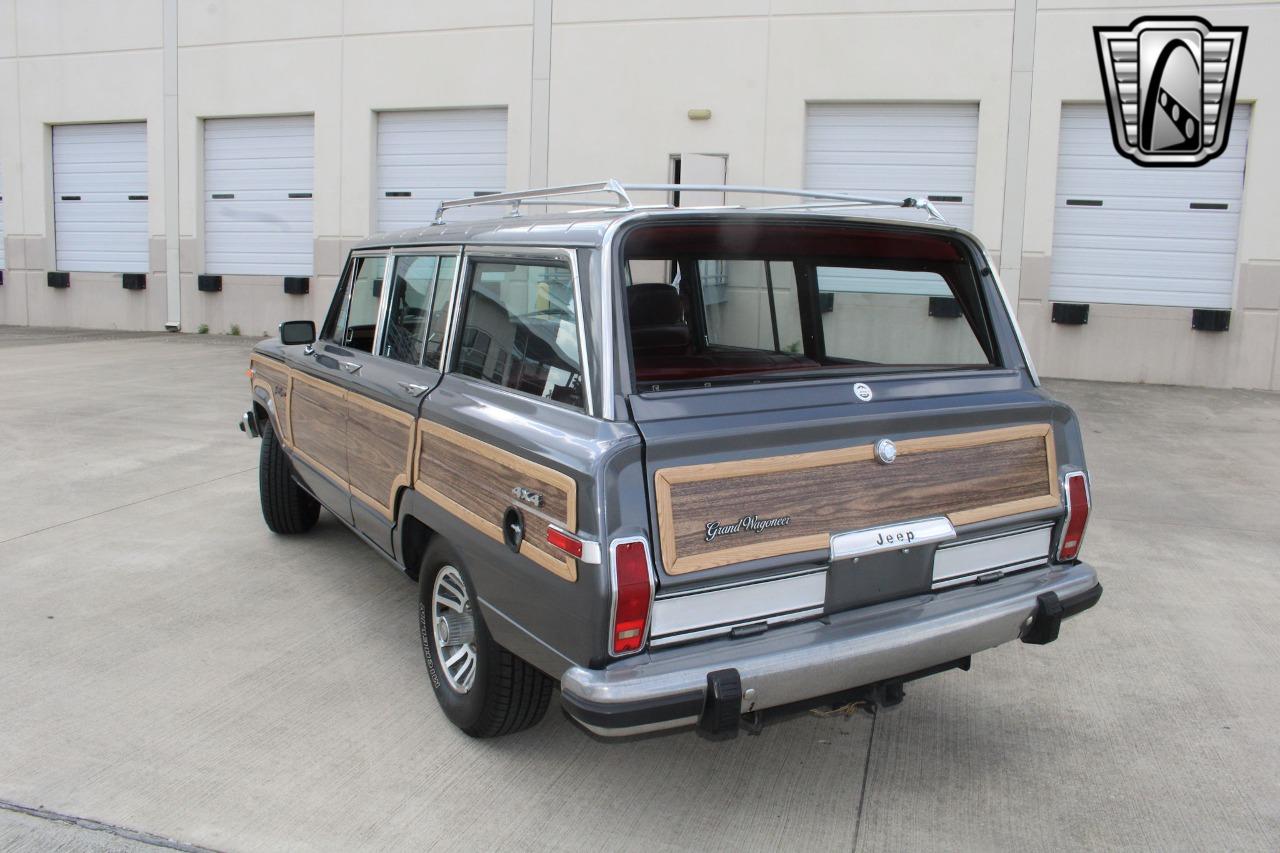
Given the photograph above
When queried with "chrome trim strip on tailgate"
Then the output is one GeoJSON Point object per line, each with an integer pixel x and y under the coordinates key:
{"type": "Point", "coordinates": [706, 613]}
{"type": "Point", "coordinates": [960, 562]}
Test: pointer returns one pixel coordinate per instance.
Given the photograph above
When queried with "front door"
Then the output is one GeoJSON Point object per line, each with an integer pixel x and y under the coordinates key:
{"type": "Point", "coordinates": [321, 377]}
{"type": "Point", "coordinates": [386, 390]}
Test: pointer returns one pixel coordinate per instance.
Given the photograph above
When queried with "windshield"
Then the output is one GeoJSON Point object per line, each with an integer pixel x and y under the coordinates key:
{"type": "Point", "coordinates": [745, 301]}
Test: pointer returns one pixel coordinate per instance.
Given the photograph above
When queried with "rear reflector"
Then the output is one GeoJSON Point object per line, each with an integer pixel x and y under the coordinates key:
{"type": "Point", "coordinates": [566, 542]}
{"type": "Point", "coordinates": [1076, 488]}
{"type": "Point", "coordinates": [632, 595]}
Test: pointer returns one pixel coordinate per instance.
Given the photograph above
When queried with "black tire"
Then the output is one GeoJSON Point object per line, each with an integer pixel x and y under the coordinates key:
{"type": "Point", "coordinates": [286, 507]}
{"type": "Point", "coordinates": [506, 695]}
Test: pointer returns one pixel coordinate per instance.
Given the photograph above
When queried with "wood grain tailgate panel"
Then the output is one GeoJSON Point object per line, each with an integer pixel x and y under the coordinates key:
{"type": "Point", "coordinates": [473, 480]}
{"type": "Point", "coordinates": [968, 477]}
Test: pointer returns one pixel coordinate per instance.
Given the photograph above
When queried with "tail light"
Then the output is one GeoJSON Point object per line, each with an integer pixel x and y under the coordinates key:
{"type": "Point", "coordinates": [1076, 489]}
{"type": "Point", "coordinates": [632, 596]}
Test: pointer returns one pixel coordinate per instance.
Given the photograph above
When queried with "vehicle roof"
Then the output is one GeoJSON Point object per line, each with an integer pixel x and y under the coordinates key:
{"type": "Point", "coordinates": [587, 228]}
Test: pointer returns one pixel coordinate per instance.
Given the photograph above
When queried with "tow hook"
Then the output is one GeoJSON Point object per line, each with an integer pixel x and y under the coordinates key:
{"type": "Point", "coordinates": [1046, 621]}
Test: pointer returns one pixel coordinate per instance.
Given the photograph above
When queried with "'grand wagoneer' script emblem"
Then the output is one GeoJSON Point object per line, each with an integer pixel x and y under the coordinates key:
{"type": "Point", "coordinates": [744, 524]}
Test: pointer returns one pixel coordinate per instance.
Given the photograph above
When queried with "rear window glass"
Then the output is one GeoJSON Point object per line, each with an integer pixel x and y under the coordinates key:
{"type": "Point", "coordinates": [742, 302]}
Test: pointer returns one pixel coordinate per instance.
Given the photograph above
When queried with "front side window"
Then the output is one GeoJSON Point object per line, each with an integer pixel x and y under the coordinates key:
{"type": "Point", "coordinates": [741, 302]}
{"type": "Point", "coordinates": [357, 317]}
{"type": "Point", "coordinates": [417, 306]}
{"type": "Point", "coordinates": [520, 330]}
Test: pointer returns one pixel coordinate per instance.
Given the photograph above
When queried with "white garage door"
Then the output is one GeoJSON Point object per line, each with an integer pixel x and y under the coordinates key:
{"type": "Point", "coordinates": [100, 197]}
{"type": "Point", "coordinates": [896, 150]}
{"type": "Point", "coordinates": [258, 179]}
{"type": "Point", "coordinates": [426, 157]}
{"type": "Point", "coordinates": [1143, 236]}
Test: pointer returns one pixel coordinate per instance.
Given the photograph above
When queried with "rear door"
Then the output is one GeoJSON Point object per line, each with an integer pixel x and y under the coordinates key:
{"type": "Point", "coordinates": [386, 390]}
{"type": "Point", "coordinates": [765, 465]}
{"type": "Point", "coordinates": [508, 442]}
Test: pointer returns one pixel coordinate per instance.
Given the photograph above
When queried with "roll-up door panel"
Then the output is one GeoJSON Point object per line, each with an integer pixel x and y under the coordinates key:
{"type": "Point", "coordinates": [896, 150]}
{"type": "Point", "coordinates": [427, 156]}
{"type": "Point", "coordinates": [100, 197]}
{"type": "Point", "coordinates": [1124, 233]}
{"type": "Point", "coordinates": [258, 181]}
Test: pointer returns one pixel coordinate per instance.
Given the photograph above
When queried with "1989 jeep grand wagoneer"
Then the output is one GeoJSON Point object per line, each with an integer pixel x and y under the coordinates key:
{"type": "Point", "coordinates": [690, 464]}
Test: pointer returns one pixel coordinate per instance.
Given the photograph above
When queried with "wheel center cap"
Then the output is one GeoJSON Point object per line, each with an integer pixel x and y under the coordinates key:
{"type": "Point", "coordinates": [442, 630]}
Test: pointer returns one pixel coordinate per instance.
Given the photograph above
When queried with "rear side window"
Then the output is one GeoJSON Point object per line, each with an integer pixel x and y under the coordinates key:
{"type": "Point", "coordinates": [520, 330]}
{"type": "Point", "coordinates": [417, 308]}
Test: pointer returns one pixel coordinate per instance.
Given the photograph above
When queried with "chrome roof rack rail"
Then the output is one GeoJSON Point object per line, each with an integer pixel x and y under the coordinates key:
{"type": "Point", "coordinates": [620, 191]}
{"type": "Point", "coordinates": [831, 199]}
{"type": "Point", "coordinates": [546, 193]}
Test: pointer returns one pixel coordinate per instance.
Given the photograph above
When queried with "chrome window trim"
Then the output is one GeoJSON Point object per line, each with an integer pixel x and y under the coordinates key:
{"type": "Point", "coordinates": [384, 303]}
{"type": "Point", "coordinates": [558, 255]}
{"type": "Point", "coordinates": [608, 323]}
{"type": "Point", "coordinates": [384, 310]}
{"type": "Point", "coordinates": [613, 599]}
{"type": "Point", "coordinates": [1008, 310]}
{"type": "Point", "coordinates": [350, 288]}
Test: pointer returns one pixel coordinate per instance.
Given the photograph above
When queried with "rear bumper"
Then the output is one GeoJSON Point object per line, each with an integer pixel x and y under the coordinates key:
{"type": "Point", "coordinates": [791, 664]}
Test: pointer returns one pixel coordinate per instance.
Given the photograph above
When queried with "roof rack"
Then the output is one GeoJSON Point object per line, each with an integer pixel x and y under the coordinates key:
{"type": "Point", "coordinates": [621, 193]}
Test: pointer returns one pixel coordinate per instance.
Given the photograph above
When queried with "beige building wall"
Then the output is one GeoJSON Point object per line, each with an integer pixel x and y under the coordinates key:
{"type": "Point", "coordinates": [596, 88]}
{"type": "Point", "coordinates": [1132, 343]}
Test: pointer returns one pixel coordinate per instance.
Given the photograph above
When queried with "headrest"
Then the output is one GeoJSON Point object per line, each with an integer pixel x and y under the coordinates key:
{"type": "Point", "coordinates": [657, 317]}
{"type": "Point", "coordinates": [654, 304]}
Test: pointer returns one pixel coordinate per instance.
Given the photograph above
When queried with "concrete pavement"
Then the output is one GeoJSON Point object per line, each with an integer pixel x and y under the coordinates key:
{"type": "Point", "coordinates": [171, 669]}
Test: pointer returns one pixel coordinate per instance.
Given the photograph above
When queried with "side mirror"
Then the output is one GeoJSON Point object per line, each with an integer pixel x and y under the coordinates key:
{"type": "Point", "coordinates": [297, 332]}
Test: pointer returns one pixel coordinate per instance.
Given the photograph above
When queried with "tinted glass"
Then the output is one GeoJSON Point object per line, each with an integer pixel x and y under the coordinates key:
{"type": "Point", "coordinates": [408, 309]}
{"type": "Point", "coordinates": [359, 315]}
{"type": "Point", "coordinates": [744, 303]}
{"type": "Point", "coordinates": [439, 311]}
{"type": "Point", "coordinates": [881, 316]}
{"type": "Point", "coordinates": [520, 330]}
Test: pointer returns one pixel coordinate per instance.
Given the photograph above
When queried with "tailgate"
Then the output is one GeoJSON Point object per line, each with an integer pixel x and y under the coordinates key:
{"type": "Point", "coordinates": [758, 480]}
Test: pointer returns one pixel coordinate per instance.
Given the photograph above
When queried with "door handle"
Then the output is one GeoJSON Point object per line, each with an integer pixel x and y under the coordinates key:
{"type": "Point", "coordinates": [350, 366]}
{"type": "Point", "coordinates": [413, 388]}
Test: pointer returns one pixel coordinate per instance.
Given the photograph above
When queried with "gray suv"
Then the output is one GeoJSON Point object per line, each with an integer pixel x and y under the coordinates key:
{"type": "Point", "coordinates": [698, 467]}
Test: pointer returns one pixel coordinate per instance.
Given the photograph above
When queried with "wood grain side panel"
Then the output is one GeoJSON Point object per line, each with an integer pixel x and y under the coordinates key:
{"type": "Point", "coordinates": [379, 451]}
{"type": "Point", "coordinates": [275, 377]}
{"type": "Point", "coordinates": [968, 477]}
{"type": "Point", "coordinates": [318, 424]}
{"type": "Point", "coordinates": [473, 480]}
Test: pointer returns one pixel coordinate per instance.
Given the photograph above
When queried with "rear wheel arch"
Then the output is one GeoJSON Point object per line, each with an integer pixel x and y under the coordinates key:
{"type": "Point", "coordinates": [415, 537]}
